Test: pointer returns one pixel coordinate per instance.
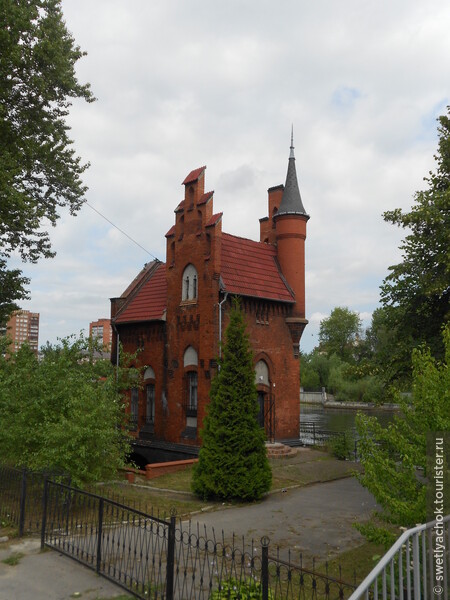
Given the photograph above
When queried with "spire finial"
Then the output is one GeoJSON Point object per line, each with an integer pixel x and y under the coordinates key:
{"type": "Point", "coordinates": [291, 155]}
{"type": "Point", "coordinates": [291, 202]}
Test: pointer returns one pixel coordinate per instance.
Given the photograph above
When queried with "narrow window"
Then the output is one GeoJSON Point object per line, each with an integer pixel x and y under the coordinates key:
{"type": "Point", "coordinates": [189, 283]}
{"type": "Point", "coordinates": [134, 409]}
{"type": "Point", "coordinates": [150, 413]}
{"type": "Point", "coordinates": [192, 393]}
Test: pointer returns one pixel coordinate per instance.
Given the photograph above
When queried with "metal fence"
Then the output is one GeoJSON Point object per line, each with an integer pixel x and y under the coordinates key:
{"type": "Point", "coordinates": [125, 545]}
{"type": "Point", "coordinates": [416, 567]}
{"type": "Point", "coordinates": [157, 558]}
{"type": "Point", "coordinates": [311, 435]}
{"type": "Point", "coordinates": [21, 494]}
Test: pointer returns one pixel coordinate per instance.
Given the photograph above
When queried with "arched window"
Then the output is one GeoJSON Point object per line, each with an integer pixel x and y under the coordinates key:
{"type": "Point", "coordinates": [261, 373]}
{"type": "Point", "coordinates": [134, 408]}
{"type": "Point", "coordinates": [190, 358]}
{"type": "Point", "coordinates": [150, 408]}
{"type": "Point", "coordinates": [189, 283]}
{"type": "Point", "coordinates": [262, 384]}
{"type": "Point", "coordinates": [191, 393]}
{"type": "Point", "coordinates": [149, 379]}
{"type": "Point", "coordinates": [134, 399]}
{"type": "Point", "coordinates": [190, 363]}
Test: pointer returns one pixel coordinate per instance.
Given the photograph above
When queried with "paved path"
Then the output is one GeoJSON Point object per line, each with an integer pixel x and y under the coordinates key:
{"type": "Point", "coordinates": [49, 575]}
{"type": "Point", "coordinates": [316, 520]}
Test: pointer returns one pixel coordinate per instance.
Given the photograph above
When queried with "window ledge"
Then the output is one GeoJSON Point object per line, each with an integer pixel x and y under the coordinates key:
{"type": "Point", "coordinates": [188, 302]}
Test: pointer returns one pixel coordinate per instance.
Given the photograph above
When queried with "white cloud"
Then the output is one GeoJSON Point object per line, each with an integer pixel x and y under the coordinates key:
{"type": "Point", "coordinates": [180, 85]}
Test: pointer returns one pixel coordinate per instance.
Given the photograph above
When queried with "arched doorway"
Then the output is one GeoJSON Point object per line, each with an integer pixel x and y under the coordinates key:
{"type": "Point", "coordinates": [265, 398]}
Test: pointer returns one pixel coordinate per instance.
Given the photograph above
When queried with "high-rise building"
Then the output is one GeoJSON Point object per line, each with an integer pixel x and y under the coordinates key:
{"type": "Point", "coordinates": [101, 331]}
{"type": "Point", "coordinates": [23, 326]}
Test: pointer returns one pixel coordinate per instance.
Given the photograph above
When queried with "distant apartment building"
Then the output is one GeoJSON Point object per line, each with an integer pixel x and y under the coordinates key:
{"type": "Point", "coordinates": [101, 331]}
{"type": "Point", "coordinates": [23, 326]}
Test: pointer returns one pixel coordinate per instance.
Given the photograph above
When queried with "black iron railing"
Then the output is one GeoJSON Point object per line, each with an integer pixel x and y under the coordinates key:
{"type": "Point", "coordinates": [157, 558]}
{"type": "Point", "coordinates": [311, 434]}
{"type": "Point", "coordinates": [21, 496]}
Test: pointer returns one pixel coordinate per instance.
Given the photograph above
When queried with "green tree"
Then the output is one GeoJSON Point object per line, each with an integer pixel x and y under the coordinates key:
{"type": "Point", "coordinates": [416, 292]}
{"type": "Point", "coordinates": [12, 289]}
{"type": "Point", "coordinates": [340, 333]}
{"type": "Point", "coordinates": [315, 369]}
{"type": "Point", "coordinates": [233, 461]}
{"type": "Point", "coordinates": [62, 412]}
{"type": "Point", "coordinates": [39, 171]}
{"type": "Point", "coordinates": [394, 456]}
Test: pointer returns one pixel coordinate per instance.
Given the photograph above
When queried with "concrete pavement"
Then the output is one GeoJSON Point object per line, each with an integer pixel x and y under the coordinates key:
{"type": "Point", "coordinates": [49, 575]}
{"type": "Point", "coordinates": [316, 520]}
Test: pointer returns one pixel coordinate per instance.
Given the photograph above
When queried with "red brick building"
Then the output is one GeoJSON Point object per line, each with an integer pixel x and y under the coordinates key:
{"type": "Point", "coordinates": [23, 326]}
{"type": "Point", "coordinates": [176, 313]}
{"type": "Point", "coordinates": [101, 331]}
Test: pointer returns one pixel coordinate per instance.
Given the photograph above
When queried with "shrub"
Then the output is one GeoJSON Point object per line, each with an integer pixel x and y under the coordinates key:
{"type": "Point", "coordinates": [340, 446]}
{"type": "Point", "coordinates": [233, 589]}
{"type": "Point", "coordinates": [233, 462]}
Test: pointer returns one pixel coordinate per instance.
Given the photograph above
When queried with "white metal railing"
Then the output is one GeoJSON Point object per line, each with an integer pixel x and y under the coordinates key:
{"type": "Point", "coordinates": [417, 566]}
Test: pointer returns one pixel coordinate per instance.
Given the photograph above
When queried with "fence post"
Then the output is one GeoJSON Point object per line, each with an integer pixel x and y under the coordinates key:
{"type": "Point", "coordinates": [265, 568]}
{"type": "Point", "coordinates": [99, 534]}
{"type": "Point", "coordinates": [170, 557]}
{"type": "Point", "coordinates": [23, 497]}
{"type": "Point", "coordinates": [44, 511]}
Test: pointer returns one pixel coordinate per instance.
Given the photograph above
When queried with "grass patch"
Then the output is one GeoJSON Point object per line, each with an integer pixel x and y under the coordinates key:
{"type": "Point", "coordinates": [121, 597]}
{"type": "Point", "coordinates": [10, 531]}
{"type": "Point", "coordinates": [309, 467]}
{"type": "Point", "coordinates": [354, 565]}
{"type": "Point", "coordinates": [151, 502]}
{"type": "Point", "coordinates": [13, 559]}
{"type": "Point", "coordinates": [179, 481]}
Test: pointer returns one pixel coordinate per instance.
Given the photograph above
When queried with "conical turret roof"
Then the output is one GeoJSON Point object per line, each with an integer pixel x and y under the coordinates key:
{"type": "Point", "coordinates": [291, 202]}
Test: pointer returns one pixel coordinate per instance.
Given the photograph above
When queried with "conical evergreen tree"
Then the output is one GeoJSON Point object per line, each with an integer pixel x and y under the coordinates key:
{"type": "Point", "coordinates": [233, 463]}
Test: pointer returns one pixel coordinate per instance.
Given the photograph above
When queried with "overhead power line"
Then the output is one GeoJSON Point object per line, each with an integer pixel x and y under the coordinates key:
{"type": "Point", "coordinates": [123, 232]}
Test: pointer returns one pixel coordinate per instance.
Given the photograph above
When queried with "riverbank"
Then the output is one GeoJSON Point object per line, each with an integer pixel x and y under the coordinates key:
{"type": "Point", "coordinates": [311, 401]}
{"type": "Point", "coordinates": [341, 416]}
{"type": "Point", "coordinates": [360, 405]}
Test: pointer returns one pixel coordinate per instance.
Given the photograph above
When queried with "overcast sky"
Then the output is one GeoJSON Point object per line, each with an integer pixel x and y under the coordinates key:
{"type": "Point", "coordinates": [186, 83]}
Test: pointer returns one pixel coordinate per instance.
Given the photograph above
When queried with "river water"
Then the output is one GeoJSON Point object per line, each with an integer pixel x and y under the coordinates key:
{"type": "Point", "coordinates": [338, 419]}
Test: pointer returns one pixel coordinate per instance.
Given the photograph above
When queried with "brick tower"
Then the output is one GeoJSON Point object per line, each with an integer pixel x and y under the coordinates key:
{"type": "Point", "coordinates": [290, 226]}
{"type": "Point", "coordinates": [285, 228]}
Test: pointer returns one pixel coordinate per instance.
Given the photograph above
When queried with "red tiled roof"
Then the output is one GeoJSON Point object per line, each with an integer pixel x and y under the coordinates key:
{"type": "Point", "coordinates": [137, 280]}
{"type": "Point", "coordinates": [150, 300]}
{"type": "Point", "coordinates": [194, 175]}
{"type": "Point", "coordinates": [249, 268]}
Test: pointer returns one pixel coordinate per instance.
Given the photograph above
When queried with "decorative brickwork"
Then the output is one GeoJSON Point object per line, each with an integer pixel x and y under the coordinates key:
{"type": "Point", "coordinates": [170, 313]}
